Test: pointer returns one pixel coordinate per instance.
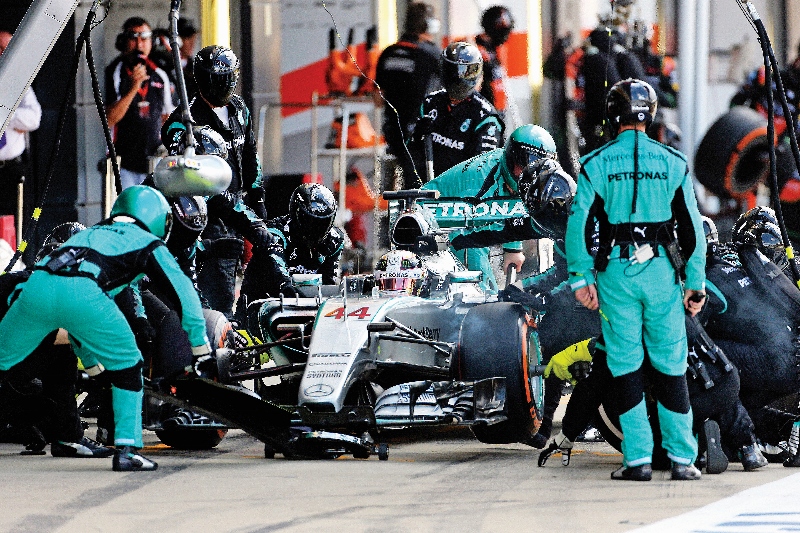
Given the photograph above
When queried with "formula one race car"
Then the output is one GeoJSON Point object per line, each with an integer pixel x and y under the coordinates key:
{"type": "Point", "coordinates": [366, 359]}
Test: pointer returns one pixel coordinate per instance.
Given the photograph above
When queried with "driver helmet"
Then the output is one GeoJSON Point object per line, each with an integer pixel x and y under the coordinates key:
{"type": "Point", "coordinates": [190, 216]}
{"type": "Point", "coordinates": [58, 236]}
{"type": "Point", "coordinates": [759, 227]}
{"type": "Point", "coordinates": [312, 209]}
{"type": "Point", "coordinates": [527, 144]}
{"type": "Point", "coordinates": [216, 72]}
{"type": "Point", "coordinates": [399, 270]}
{"type": "Point", "coordinates": [548, 197]}
{"type": "Point", "coordinates": [147, 207]}
{"type": "Point", "coordinates": [631, 101]}
{"type": "Point", "coordinates": [462, 68]}
{"type": "Point", "coordinates": [497, 22]}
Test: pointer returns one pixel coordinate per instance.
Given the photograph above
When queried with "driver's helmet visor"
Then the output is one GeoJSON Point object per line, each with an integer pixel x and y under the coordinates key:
{"type": "Point", "coordinates": [396, 284]}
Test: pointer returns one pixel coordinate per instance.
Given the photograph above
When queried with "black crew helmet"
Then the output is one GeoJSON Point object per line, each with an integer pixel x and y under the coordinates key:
{"type": "Point", "coordinates": [548, 194]}
{"type": "Point", "coordinates": [58, 236]}
{"type": "Point", "coordinates": [631, 101]}
{"type": "Point", "coordinates": [312, 208]}
{"type": "Point", "coordinates": [189, 219]}
{"type": "Point", "coordinates": [497, 22]}
{"type": "Point", "coordinates": [216, 71]}
{"type": "Point", "coordinates": [462, 68]}
{"type": "Point", "coordinates": [759, 227]}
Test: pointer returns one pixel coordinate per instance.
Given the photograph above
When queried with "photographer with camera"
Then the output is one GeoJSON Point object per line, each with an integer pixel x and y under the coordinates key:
{"type": "Point", "coordinates": [140, 96]}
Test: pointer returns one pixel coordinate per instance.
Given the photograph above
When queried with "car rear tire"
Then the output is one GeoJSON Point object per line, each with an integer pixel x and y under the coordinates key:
{"type": "Point", "coordinates": [496, 341]}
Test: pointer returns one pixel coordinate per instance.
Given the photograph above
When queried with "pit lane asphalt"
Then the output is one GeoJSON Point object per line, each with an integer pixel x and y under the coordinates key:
{"type": "Point", "coordinates": [434, 481]}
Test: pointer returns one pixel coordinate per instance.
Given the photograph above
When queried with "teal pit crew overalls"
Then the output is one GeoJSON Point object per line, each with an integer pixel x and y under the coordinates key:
{"type": "Point", "coordinates": [79, 298]}
{"type": "Point", "coordinates": [640, 301]}
{"type": "Point", "coordinates": [484, 176]}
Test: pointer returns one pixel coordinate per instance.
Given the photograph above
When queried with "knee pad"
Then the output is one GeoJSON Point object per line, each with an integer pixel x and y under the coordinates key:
{"type": "Point", "coordinates": [672, 392]}
{"type": "Point", "coordinates": [629, 389]}
{"type": "Point", "coordinates": [128, 378]}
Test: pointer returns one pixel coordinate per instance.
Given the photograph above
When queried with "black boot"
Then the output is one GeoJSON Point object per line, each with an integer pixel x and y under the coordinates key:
{"type": "Point", "coordinates": [128, 459]}
{"type": "Point", "coordinates": [684, 472]}
{"type": "Point", "coordinates": [635, 473]}
{"type": "Point", "coordinates": [752, 458]}
{"type": "Point", "coordinates": [85, 447]}
{"type": "Point", "coordinates": [716, 460]}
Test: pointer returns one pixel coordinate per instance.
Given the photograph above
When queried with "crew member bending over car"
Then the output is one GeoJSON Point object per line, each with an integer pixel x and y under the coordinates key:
{"type": "Point", "coordinates": [72, 288]}
{"type": "Point", "coordinates": [305, 242]}
{"type": "Point", "coordinates": [495, 174]}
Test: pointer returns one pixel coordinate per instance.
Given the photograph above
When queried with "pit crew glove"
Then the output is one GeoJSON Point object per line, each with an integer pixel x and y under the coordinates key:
{"type": "Point", "coordinates": [513, 293]}
{"type": "Point", "coordinates": [262, 239]}
{"type": "Point", "coordinates": [560, 362]}
{"type": "Point", "coordinates": [560, 443]}
{"type": "Point", "coordinates": [424, 126]}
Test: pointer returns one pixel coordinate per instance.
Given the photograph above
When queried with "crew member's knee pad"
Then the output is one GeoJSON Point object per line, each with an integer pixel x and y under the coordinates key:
{"type": "Point", "coordinates": [629, 389]}
{"type": "Point", "coordinates": [128, 378]}
{"type": "Point", "coordinates": [672, 392]}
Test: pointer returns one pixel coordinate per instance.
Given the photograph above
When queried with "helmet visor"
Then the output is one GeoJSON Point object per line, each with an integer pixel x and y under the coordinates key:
{"type": "Point", "coordinates": [452, 71]}
{"type": "Point", "coordinates": [313, 229]}
{"type": "Point", "coordinates": [523, 155]}
{"type": "Point", "coordinates": [396, 284]}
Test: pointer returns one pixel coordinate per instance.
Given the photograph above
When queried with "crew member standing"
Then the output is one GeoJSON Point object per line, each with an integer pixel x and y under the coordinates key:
{"type": "Point", "coordinates": [239, 211]}
{"type": "Point", "coordinates": [140, 99]}
{"type": "Point", "coordinates": [497, 24]}
{"type": "Point", "coordinates": [406, 72]}
{"type": "Point", "coordinates": [13, 164]}
{"type": "Point", "coordinates": [641, 193]}
{"type": "Point", "coordinates": [461, 122]}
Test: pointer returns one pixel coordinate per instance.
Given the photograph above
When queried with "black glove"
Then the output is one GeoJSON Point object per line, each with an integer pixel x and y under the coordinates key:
{"type": "Point", "coordinates": [424, 126]}
{"type": "Point", "coordinates": [143, 331]}
{"type": "Point", "coordinates": [512, 293]}
{"type": "Point", "coordinates": [224, 247]}
{"type": "Point", "coordinates": [263, 239]}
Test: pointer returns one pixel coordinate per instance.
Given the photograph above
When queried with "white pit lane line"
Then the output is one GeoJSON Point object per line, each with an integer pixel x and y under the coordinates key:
{"type": "Point", "coordinates": [770, 508]}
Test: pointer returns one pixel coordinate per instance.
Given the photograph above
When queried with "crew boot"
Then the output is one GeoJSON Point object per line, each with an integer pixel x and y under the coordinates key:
{"type": "Point", "coordinates": [127, 459]}
{"type": "Point", "coordinates": [716, 460]}
{"type": "Point", "coordinates": [635, 473]}
{"type": "Point", "coordinates": [85, 447]}
{"type": "Point", "coordinates": [684, 472]}
{"type": "Point", "coordinates": [752, 458]}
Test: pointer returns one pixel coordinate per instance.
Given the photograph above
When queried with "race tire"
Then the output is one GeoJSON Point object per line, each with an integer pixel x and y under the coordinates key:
{"type": "Point", "coordinates": [191, 439]}
{"type": "Point", "coordinates": [729, 160]}
{"type": "Point", "coordinates": [497, 341]}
